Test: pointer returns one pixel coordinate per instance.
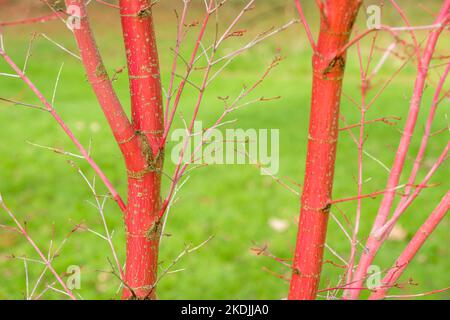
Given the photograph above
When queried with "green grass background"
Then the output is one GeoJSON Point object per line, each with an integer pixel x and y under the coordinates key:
{"type": "Point", "coordinates": [233, 203]}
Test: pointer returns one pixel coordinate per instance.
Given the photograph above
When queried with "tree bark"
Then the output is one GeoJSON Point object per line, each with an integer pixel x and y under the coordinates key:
{"type": "Point", "coordinates": [139, 140]}
{"type": "Point", "coordinates": [338, 17]}
{"type": "Point", "coordinates": [144, 182]}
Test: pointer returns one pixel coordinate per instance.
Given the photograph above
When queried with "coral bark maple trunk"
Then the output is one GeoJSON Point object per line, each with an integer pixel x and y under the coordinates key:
{"type": "Point", "coordinates": [144, 182]}
{"type": "Point", "coordinates": [139, 140]}
{"type": "Point", "coordinates": [338, 17]}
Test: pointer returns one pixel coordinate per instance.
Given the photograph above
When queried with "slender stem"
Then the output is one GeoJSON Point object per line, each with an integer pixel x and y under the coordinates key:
{"type": "Point", "coordinates": [426, 136]}
{"type": "Point", "coordinates": [179, 39]}
{"type": "Point", "coordinates": [409, 28]}
{"type": "Point", "coordinates": [41, 19]}
{"type": "Point", "coordinates": [423, 184]}
{"type": "Point", "coordinates": [412, 248]}
{"type": "Point", "coordinates": [305, 25]}
{"type": "Point", "coordinates": [67, 130]}
{"type": "Point", "coordinates": [36, 248]}
{"type": "Point", "coordinates": [173, 110]}
{"type": "Point", "coordinates": [354, 243]}
{"type": "Point", "coordinates": [373, 242]}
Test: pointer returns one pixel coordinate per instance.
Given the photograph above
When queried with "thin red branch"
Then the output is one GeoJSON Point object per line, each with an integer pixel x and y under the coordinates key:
{"type": "Point", "coordinates": [412, 248]}
{"type": "Point", "coordinates": [426, 135]}
{"type": "Point", "coordinates": [305, 25]}
{"type": "Point", "coordinates": [67, 130]}
{"type": "Point", "coordinates": [108, 4]}
{"type": "Point", "coordinates": [41, 19]}
{"type": "Point", "coordinates": [359, 197]}
{"type": "Point", "coordinates": [173, 109]}
{"type": "Point", "coordinates": [385, 120]}
{"type": "Point", "coordinates": [373, 243]}
{"type": "Point", "coordinates": [410, 29]}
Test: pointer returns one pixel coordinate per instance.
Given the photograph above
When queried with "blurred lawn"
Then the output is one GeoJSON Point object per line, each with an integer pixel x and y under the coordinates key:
{"type": "Point", "coordinates": [233, 203]}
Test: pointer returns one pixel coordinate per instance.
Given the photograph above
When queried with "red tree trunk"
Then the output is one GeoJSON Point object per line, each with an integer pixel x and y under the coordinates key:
{"type": "Point", "coordinates": [139, 140]}
{"type": "Point", "coordinates": [144, 183]}
{"type": "Point", "coordinates": [338, 17]}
